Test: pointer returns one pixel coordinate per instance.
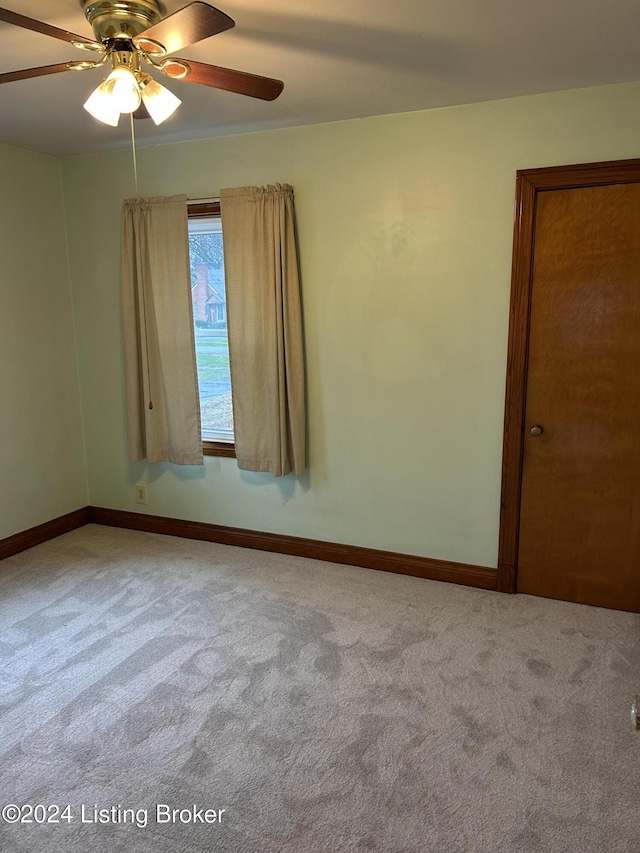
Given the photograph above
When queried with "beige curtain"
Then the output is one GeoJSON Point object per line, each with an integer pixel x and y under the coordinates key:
{"type": "Point", "coordinates": [265, 328]}
{"type": "Point", "coordinates": [163, 407]}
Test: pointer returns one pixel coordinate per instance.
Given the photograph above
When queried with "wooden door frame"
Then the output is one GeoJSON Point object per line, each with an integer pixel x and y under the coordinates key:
{"type": "Point", "coordinates": [529, 182]}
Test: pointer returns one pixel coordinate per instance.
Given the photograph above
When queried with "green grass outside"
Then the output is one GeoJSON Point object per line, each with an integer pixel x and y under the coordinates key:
{"type": "Point", "coordinates": [212, 341]}
{"type": "Point", "coordinates": [212, 366]}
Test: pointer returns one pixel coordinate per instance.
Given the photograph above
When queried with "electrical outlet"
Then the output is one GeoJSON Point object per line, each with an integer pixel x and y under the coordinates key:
{"type": "Point", "coordinates": [141, 494]}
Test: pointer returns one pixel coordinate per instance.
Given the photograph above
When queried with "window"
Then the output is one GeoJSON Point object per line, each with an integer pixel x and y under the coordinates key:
{"type": "Point", "coordinates": [210, 326]}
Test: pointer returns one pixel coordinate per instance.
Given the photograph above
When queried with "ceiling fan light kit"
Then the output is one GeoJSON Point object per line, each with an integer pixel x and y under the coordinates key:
{"type": "Point", "coordinates": [131, 32]}
{"type": "Point", "coordinates": [125, 88]}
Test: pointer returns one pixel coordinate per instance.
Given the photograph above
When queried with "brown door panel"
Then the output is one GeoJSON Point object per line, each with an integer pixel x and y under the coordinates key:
{"type": "Point", "coordinates": [580, 501]}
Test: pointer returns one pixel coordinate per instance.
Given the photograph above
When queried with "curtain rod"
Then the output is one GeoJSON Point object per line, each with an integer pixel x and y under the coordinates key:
{"type": "Point", "coordinates": [204, 200]}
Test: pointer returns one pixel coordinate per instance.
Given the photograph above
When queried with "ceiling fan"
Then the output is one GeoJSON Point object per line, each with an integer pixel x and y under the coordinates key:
{"type": "Point", "coordinates": [134, 33]}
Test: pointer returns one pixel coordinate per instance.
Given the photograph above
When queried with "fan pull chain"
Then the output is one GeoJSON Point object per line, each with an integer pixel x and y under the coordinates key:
{"type": "Point", "coordinates": [144, 304]}
{"type": "Point", "coordinates": [135, 159]}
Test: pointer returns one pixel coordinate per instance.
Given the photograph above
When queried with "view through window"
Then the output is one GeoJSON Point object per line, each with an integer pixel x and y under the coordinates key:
{"type": "Point", "coordinates": [210, 323]}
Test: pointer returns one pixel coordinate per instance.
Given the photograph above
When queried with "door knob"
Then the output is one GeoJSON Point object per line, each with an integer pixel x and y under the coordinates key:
{"type": "Point", "coordinates": [536, 430]}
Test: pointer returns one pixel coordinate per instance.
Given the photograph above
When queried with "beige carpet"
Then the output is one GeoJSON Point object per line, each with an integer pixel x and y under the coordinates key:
{"type": "Point", "coordinates": [325, 708]}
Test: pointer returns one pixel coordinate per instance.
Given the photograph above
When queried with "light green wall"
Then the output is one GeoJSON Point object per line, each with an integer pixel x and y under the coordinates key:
{"type": "Point", "coordinates": [405, 227]}
{"type": "Point", "coordinates": [42, 467]}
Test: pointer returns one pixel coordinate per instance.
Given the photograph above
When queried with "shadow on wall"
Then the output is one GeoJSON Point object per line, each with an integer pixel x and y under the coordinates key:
{"type": "Point", "coordinates": [143, 472]}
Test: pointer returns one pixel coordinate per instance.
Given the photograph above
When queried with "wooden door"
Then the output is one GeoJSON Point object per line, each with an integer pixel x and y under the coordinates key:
{"type": "Point", "coordinates": [578, 526]}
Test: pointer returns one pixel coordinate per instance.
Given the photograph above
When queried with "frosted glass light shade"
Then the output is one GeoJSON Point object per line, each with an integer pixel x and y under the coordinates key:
{"type": "Point", "coordinates": [160, 102]}
{"type": "Point", "coordinates": [101, 105]}
{"type": "Point", "coordinates": [123, 89]}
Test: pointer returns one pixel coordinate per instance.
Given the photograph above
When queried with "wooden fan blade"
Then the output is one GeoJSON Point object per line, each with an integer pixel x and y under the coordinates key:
{"type": "Point", "coordinates": [265, 88]}
{"type": "Point", "coordinates": [39, 27]}
{"type": "Point", "coordinates": [192, 23]}
{"type": "Point", "coordinates": [10, 76]}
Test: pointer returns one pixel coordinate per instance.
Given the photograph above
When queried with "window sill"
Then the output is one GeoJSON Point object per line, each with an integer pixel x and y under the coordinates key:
{"type": "Point", "coordinates": [219, 448]}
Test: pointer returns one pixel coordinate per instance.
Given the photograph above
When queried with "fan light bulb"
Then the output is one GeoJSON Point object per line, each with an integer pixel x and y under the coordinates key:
{"type": "Point", "coordinates": [123, 89]}
{"type": "Point", "coordinates": [160, 102]}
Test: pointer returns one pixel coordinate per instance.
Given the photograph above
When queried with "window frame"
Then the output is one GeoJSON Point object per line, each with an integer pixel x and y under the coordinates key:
{"type": "Point", "coordinates": [207, 210]}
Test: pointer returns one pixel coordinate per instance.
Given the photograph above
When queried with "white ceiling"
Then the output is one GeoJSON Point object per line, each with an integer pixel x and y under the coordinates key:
{"type": "Point", "coordinates": [339, 59]}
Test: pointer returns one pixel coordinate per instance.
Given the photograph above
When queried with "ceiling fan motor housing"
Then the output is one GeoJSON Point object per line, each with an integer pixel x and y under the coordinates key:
{"type": "Point", "coordinates": [112, 19]}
